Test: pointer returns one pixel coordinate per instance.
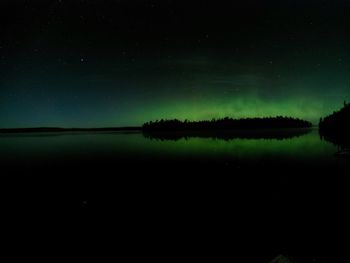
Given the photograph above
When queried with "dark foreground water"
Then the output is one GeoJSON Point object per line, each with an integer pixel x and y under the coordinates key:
{"type": "Point", "coordinates": [39, 150]}
{"type": "Point", "coordinates": [248, 199]}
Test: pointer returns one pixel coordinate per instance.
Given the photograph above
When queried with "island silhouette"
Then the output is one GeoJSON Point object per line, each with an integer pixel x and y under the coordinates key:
{"type": "Point", "coordinates": [227, 128]}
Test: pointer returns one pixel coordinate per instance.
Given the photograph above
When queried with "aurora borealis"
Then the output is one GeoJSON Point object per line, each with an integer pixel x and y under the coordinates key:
{"type": "Point", "coordinates": [121, 63]}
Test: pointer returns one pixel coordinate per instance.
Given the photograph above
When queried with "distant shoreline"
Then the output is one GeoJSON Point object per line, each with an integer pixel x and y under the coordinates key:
{"type": "Point", "coordinates": [57, 129]}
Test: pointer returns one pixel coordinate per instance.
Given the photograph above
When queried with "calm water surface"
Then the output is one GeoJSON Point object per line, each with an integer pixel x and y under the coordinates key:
{"type": "Point", "coordinates": [58, 148]}
{"type": "Point", "coordinates": [95, 173]}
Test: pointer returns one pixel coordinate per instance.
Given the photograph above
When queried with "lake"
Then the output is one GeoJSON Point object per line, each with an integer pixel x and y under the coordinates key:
{"type": "Point", "coordinates": [38, 150]}
{"type": "Point", "coordinates": [248, 189]}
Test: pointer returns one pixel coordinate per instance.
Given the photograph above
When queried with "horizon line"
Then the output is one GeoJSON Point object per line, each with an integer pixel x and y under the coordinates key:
{"type": "Point", "coordinates": [70, 128]}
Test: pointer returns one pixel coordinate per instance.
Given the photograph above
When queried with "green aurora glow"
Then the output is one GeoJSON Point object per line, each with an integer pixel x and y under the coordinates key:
{"type": "Point", "coordinates": [92, 65]}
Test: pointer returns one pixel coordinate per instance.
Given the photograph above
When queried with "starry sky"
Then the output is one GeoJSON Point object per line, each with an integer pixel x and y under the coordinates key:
{"type": "Point", "coordinates": [98, 63]}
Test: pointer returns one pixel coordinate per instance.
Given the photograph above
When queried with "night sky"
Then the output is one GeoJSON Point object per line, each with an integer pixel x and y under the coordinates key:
{"type": "Point", "coordinates": [97, 63]}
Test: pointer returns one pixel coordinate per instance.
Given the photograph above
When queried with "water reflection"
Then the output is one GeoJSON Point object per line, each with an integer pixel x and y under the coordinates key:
{"type": "Point", "coordinates": [338, 138]}
{"type": "Point", "coordinates": [295, 148]}
{"type": "Point", "coordinates": [228, 135]}
{"type": "Point", "coordinates": [101, 168]}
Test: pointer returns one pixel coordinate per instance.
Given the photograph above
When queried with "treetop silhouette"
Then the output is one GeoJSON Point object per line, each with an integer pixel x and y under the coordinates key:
{"type": "Point", "coordinates": [226, 124]}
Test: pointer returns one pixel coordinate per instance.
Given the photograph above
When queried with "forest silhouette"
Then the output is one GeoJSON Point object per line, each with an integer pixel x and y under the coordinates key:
{"type": "Point", "coordinates": [227, 128]}
{"type": "Point", "coordinates": [335, 127]}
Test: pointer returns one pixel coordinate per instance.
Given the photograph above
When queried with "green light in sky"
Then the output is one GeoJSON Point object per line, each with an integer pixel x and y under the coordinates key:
{"type": "Point", "coordinates": [243, 107]}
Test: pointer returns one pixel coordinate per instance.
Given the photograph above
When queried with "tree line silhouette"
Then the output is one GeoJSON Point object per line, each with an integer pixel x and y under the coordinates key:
{"type": "Point", "coordinates": [227, 128]}
{"type": "Point", "coordinates": [227, 124]}
{"type": "Point", "coordinates": [336, 127]}
{"type": "Point", "coordinates": [337, 121]}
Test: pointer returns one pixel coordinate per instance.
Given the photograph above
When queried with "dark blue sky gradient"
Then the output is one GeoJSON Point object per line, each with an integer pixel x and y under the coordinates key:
{"type": "Point", "coordinates": [119, 63]}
